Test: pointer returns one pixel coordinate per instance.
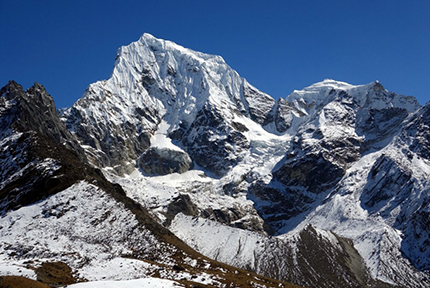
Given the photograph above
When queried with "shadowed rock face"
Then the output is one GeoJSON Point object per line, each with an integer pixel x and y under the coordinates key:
{"type": "Point", "coordinates": [386, 180]}
{"type": "Point", "coordinates": [38, 155]}
{"type": "Point", "coordinates": [283, 115]}
{"type": "Point", "coordinates": [34, 110]}
{"type": "Point", "coordinates": [36, 147]}
{"type": "Point", "coordinates": [313, 172]}
{"type": "Point", "coordinates": [259, 104]}
{"type": "Point", "coordinates": [417, 133]}
{"type": "Point", "coordinates": [213, 143]}
{"type": "Point", "coordinates": [162, 161]}
{"type": "Point", "coordinates": [377, 125]}
{"type": "Point", "coordinates": [112, 144]}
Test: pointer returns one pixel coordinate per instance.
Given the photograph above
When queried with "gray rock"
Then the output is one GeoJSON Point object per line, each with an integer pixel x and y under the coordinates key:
{"type": "Point", "coordinates": [162, 161]}
{"type": "Point", "coordinates": [213, 143]}
{"type": "Point", "coordinates": [259, 104]}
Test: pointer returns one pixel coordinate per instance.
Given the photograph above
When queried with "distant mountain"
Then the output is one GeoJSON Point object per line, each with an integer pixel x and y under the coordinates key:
{"type": "Point", "coordinates": [325, 188]}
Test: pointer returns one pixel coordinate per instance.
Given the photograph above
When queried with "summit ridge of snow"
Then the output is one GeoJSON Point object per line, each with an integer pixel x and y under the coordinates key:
{"type": "Point", "coordinates": [372, 95]}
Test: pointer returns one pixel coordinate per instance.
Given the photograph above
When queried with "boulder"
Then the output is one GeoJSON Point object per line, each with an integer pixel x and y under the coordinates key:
{"type": "Point", "coordinates": [163, 161]}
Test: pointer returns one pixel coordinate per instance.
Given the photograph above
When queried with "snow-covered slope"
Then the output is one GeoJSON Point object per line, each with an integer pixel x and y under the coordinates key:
{"type": "Point", "coordinates": [311, 257]}
{"type": "Point", "coordinates": [100, 239]}
{"type": "Point", "coordinates": [340, 124]}
{"type": "Point", "coordinates": [142, 283]}
{"type": "Point", "coordinates": [372, 95]}
{"type": "Point", "coordinates": [58, 229]}
{"type": "Point", "coordinates": [382, 205]}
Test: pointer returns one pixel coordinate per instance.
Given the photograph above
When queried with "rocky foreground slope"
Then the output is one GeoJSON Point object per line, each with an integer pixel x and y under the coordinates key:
{"type": "Point", "coordinates": [325, 188]}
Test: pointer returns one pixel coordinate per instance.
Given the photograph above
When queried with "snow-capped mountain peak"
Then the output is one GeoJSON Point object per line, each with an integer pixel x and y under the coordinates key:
{"type": "Point", "coordinates": [155, 79]}
{"type": "Point", "coordinates": [182, 79]}
{"type": "Point", "coordinates": [331, 180]}
{"type": "Point", "coordinates": [372, 95]}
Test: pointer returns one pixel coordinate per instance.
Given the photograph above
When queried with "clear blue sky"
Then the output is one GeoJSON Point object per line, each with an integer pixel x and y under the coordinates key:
{"type": "Point", "coordinates": [278, 46]}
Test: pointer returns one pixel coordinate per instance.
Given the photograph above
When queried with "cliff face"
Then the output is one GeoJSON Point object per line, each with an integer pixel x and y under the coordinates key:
{"type": "Point", "coordinates": [39, 156]}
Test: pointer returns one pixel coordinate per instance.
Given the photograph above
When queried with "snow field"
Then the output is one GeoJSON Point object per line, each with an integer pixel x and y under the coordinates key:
{"type": "Point", "coordinates": [141, 283]}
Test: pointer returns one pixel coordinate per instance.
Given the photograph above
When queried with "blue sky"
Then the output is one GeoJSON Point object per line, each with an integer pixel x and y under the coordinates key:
{"type": "Point", "coordinates": [278, 46]}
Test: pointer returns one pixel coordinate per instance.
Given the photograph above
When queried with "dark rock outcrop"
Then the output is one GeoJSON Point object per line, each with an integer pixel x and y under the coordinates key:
{"type": "Point", "coordinates": [111, 144]}
{"type": "Point", "coordinates": [378, 126]}
{"type": "Point", "coordinates": [259, 104]}
{"type": "Point", "coordinates": [34, 110]}
{"type": "Point", "coordinates": [38, 155]}
{"type": "Point", "coordinates": [283, 116]}
{"type": "Point", "coordinates": [213, 144]}
{"type": "Point", "coordinates": [162, 161]}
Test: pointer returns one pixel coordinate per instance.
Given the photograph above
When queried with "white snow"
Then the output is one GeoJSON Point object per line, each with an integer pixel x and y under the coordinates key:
{"type": "Point", "coordinates": [222, 243]}
{"type": "Point", "coordinates": [141, 283]}
{"type": "Point", "coordinates": [157, 192]}
{"type": "Point", "coordinates": [160, 138]}
{"type": "Point", "coordinates": [184, 80]}
{"type": "Point", "coordinates": [18, 268]}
